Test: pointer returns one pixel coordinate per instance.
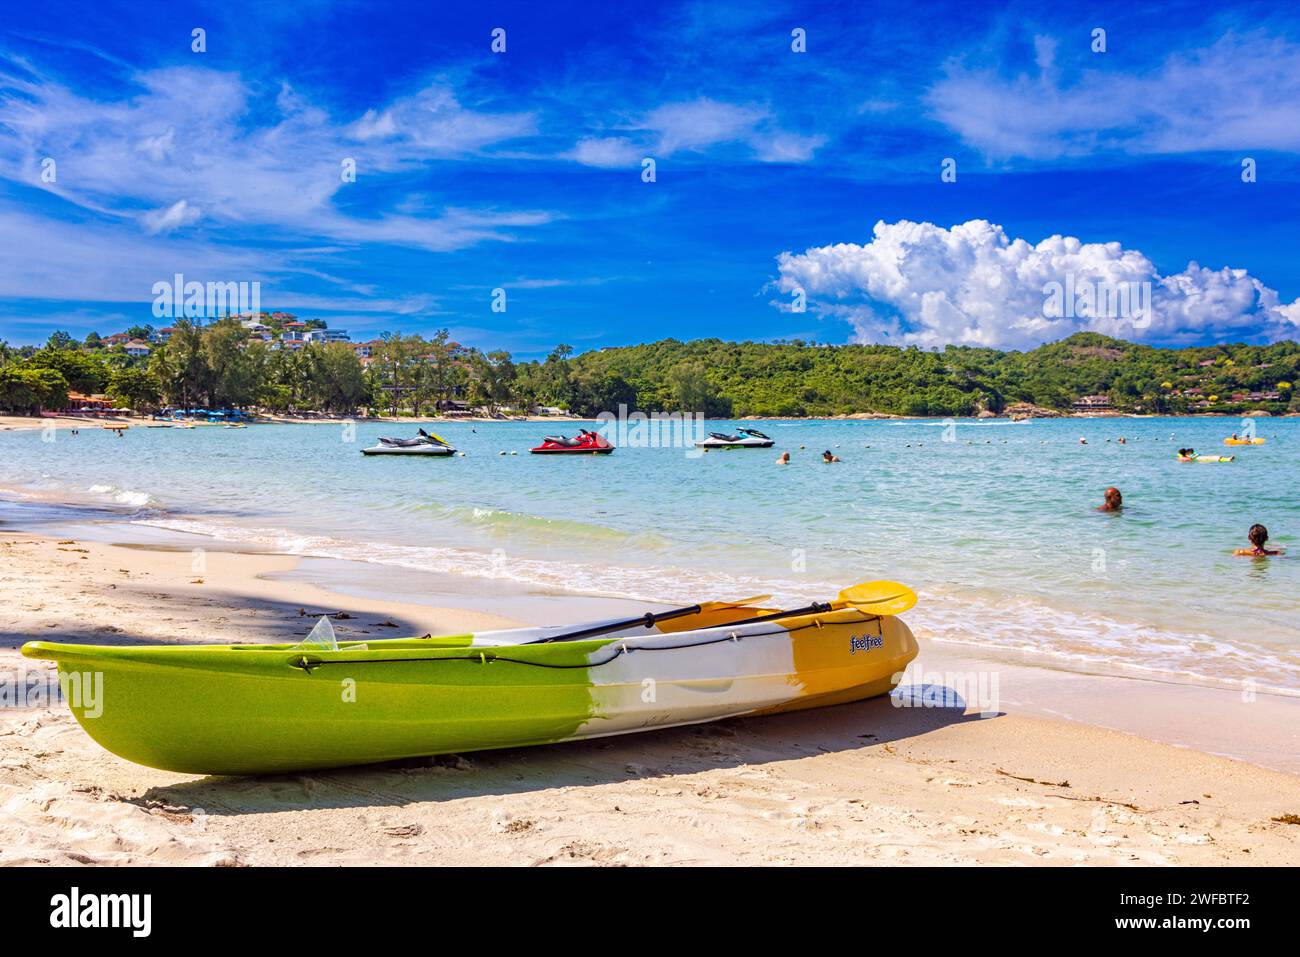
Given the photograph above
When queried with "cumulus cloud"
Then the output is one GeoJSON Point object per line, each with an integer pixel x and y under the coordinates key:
{"type": "Point", "coordinates": [971, 284]}
{"type": "Point", "coordinates": [1242, 92]}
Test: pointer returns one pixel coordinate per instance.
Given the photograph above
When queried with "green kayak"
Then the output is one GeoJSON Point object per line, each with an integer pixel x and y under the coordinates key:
{"type": "Point", "coordinates": [249, 709]}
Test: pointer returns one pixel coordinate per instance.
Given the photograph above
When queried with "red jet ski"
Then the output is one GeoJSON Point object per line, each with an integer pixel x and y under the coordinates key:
{"type": "Point", "coordinates": [588, 443]}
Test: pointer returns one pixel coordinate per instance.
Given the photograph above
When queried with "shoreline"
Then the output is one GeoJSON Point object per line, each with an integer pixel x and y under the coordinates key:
{"type": "Point", "coordinates": [133, 519]}
{"type": "Point", "coordinates": [19, 423]}
{"type": "Point", "coordinates": [1043, 781]}
{"type": "Point", "coordinates": [555, 599]}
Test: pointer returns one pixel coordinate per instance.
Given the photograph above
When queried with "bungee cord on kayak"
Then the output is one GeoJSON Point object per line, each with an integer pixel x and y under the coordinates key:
{"type": "Point", "coordinates": [622, 649]}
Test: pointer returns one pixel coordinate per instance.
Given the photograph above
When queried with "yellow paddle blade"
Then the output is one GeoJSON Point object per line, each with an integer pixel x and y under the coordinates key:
{"type": "Point", "coordinates": [879, 597]}
{"type": "Point", "coordinates": [735, 603]}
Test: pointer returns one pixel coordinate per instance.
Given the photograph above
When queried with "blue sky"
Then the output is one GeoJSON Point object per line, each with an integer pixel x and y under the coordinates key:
{"type": "Point", "coordinates": [522, 170]}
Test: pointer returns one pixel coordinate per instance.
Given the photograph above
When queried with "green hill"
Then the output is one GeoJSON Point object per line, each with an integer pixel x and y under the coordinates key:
{"type": "Point", "coordinates": [218, 365]}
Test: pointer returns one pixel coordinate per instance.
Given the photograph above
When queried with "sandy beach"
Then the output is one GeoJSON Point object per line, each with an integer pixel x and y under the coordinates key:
{"type": "Point", "coordinates": [24, 423]}
{"type": "Point", "coordinates": [860, 783]}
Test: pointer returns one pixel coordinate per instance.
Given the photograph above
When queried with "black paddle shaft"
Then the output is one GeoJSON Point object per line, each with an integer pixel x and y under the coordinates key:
{"type": "Point", "coordinates": [648, 619]}
{"type": "Point", "coordinates": [816, 608]}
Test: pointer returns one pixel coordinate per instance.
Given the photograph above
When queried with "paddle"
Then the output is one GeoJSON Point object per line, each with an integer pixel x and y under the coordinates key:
{"type": "Point", "coordinates": [649, 619]}
{"type": "Point", "coordinates": [870, 598]}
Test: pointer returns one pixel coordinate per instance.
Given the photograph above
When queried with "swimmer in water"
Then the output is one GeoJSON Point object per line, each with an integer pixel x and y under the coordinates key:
{"type": "Point", "coordinates": [784, 459]}
{"type": "Point", "coordinates": [1258, 536]}
{"type": "Point", "coordinates": [1114, 501]}
{"type": "Point", "coordinates": [828, 457]}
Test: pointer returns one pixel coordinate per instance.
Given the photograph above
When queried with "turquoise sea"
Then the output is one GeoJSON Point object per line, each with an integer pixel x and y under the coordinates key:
{"type": "Point", "coordinates": [992, 522]}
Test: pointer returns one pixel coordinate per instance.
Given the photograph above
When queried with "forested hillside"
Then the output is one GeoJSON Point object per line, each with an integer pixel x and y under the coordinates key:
{"type": "Point", "coordinates": [218, 365]}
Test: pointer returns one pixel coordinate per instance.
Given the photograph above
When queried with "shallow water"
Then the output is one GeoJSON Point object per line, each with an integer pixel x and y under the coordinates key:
{"type": "Point", "coordinates": [992, 522]}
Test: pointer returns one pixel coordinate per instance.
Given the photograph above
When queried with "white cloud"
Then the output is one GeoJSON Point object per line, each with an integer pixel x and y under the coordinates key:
{"type": "Point", "coordinates": [374, 125]}
{"type": "Point", "coordinates": [696, 126]}
{"type": "Point", "coordinates": [89, 261]}
{"type": "Point", "coordinates": [787, 147]}
{"type": "Point", "coordinates": [700, 123]}
{"type": "Point", "coordinates": [921, 284]}
{"type": "Point", "coordinates": [607, 152]}
{"type": "Point", "coordinates": [179, 213]}
{"type": "Point", "coordinates": [432, 122]}
{"type": "Point", "coordinates": [188, 142]}
{"type": "Point", "coordinates": [158, 147]}
{"type": "Point", "coordinates": [96, 262]}
{"type": "Point", "coordinates": [1243, 92]}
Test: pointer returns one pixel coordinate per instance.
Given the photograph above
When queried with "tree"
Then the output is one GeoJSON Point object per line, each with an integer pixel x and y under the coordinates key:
{"type": "Point", "coordinates": [397, 363]}
{"type": "Point", "coordinates": [492, 379]}
{"type": "Point", "coordinates": [179, 365]}
{"type": "Point", "coordinates": [28, 390]}
{"type": "Point", "coordinates": [692, 391]}
{"type": "Point", "coordinates": [231, 378]}
{"type": "Point", "coordinates": [82, 371]}
{"type": "Point", "coordinates": [285, 379]}
{"type": "Point", "coordinates": [435, 373]}
{"type": "Point", "coordinates": [338, 382]}
{"type": "Point", "coordinates": [550, 382]}
{"type": "Point", "coordinates": [134, 387]}
{"type": "Point", "coordinates": [600, 391]}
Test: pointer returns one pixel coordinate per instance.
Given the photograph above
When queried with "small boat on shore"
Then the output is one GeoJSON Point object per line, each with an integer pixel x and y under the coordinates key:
{"type": "Point", "coordinates": [585, 443]}
{"type": "Point", "coordinates": [741, 439]}
{"type": "Point", "coordinates": [424, 444]}
{"type": "Point", "coordinates": [261, 709]}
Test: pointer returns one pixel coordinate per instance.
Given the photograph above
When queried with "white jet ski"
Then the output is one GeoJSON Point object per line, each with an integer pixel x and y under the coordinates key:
{"type": "Point", "coordinates": [743, 439]}
{"type": "Point", "coordinates": [424, 444]}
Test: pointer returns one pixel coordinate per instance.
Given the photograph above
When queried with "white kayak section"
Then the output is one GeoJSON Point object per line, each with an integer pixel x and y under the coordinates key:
{"type": "Point", "coordinates": [646, 678]}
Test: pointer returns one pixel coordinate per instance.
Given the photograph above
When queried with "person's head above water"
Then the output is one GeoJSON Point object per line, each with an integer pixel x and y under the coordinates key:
{"type": "Point", "coordinates": [1258, 536]}
{"type": "Point", "coordinates": [1114, 500]}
